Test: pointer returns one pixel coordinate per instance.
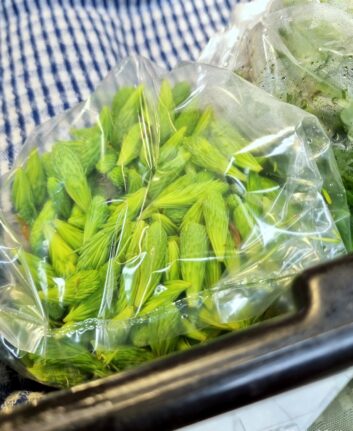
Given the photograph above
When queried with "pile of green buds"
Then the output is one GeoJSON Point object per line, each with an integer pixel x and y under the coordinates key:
{"type": "Point", "coordinates": [127, 220]}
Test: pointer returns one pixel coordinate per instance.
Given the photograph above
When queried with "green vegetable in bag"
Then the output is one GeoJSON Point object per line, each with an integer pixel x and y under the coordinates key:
{"type": "Point", "coordinates": [134, 233]}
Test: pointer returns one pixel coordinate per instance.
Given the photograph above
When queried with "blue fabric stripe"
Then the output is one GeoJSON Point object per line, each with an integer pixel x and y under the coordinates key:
{"type": "Point", "coordinates": [50, 108]}
{"type": "Point", "coordinates": [151, 55]}
{"type": "Point", "coordinates": [87, 40]}
{"type": "Point", "coordinates": [29, 90]}
{"type": "Point", "coordinates": [210, 17]}
{"type": "Point", "coordinates": [97, 33]}
{"type": "Point", "coordinates": [7, 125]}
{"type": "Point", "coordinates": [195, 4]}
{"type": "Point", "coordinates": [122, 31]}
{"type": "Point", "coordinates": [62, 46]}
{"type": "Point", "coordinates": [179, 32]}
{"type": "Point", "coordinates": [190, 26]}
{"type": "Point", "coordinates": [133, 32]}
{"type": "Point", "coordinates": [225, 12]}
{"type": "Point", "coordinates": [114, 25]}
{"type": "Point", "coordinates": [109, 40]}
{"type": "Point", "coordinates": [5, 115]}
{"type": "Point", "coordinates": [136, 47]}
{"type": "Point", "coordinates": [53, 65]}
{"type": "Point", "coordinates": [230, 3]}
{"type": "Point", "coordinates": [20, 117]}
{"type": "Point", "coordinates": [162, 54]}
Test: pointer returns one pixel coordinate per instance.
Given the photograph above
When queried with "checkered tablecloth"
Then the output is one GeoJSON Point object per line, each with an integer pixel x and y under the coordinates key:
{"type": "Point", "coordinates": [54, 52]}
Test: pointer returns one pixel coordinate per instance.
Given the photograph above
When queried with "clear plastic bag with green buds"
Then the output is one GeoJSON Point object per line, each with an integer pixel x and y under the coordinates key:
{"type": "Point", "coordinates": [301, 51]}
{"type": "Point", "coordinates": [167, 210]}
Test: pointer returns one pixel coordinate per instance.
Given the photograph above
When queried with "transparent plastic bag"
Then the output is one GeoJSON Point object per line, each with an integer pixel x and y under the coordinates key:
{"type": "Point", "coordinates": [345, 5]}
{"type": "Point", "coordinates": [301, 51]}
{"type": "Point", "coordinates": [304, 55]}
{"type": "Point", "coordinates": [166, 210]}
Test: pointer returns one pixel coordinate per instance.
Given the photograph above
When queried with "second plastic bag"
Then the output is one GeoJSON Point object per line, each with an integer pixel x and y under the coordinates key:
{"type": "Point", "coordinates": [168, 209]}
{"type": "Point", "coordinates": [301, 51]}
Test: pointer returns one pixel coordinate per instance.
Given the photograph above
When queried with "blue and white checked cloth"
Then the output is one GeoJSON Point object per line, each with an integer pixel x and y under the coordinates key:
{"type": "Point", "coordinates": [54, 52]}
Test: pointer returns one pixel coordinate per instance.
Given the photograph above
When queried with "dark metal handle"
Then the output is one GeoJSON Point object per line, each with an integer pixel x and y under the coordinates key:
{"type": "Point", "coordinates": [228, 373]}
